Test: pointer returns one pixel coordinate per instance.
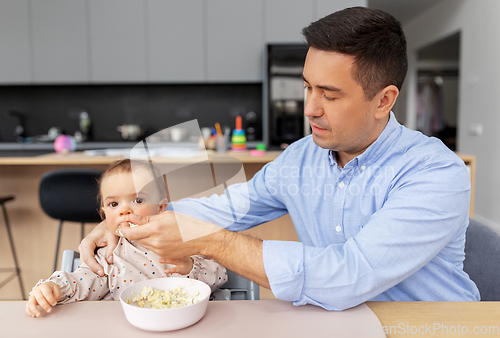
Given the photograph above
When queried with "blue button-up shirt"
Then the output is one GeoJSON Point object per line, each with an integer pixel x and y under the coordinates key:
{"type": "Point", "coordinates": [390, 225]}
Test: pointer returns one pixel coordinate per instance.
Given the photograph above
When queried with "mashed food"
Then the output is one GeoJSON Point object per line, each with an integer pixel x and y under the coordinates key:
{"type": "Point", "coordinates": [159, 299]}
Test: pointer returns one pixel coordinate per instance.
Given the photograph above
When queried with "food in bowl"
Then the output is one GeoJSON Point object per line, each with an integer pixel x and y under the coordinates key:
{"type": "Point", "coordinates": [166, 319]}
{"type": "Point", "coordinates": [160, 299]}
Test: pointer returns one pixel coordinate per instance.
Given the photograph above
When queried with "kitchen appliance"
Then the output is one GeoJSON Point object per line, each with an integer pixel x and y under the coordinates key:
{"type": "Point", "coordinates": [131, 132]}
{"type": "Point", "coordinates": [18, 133]}
{"type": "Point", "coordinates": [283, 94]}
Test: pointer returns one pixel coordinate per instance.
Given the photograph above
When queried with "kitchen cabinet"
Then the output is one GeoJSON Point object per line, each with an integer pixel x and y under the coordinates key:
{"type": "Point", "coordinates": [176, 46]}
{"type": "Point", "coordinates": [234, 41]}
{"type": "Point", "coordinates": [132, 41]}
{"type": "Point", "coordinates": [60, 51]}
{"type": "Point", "coordinates": [325, 7]}
{"type": "Point", "coordinates": [284, 23]}
{"type": "Point", "coordinates": [15, 48]}
{"type": "Point", "coordinates": [118, 41]}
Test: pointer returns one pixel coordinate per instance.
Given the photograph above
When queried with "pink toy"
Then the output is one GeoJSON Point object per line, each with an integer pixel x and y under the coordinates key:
{"type": "Point", "coordinates": [64, 144]}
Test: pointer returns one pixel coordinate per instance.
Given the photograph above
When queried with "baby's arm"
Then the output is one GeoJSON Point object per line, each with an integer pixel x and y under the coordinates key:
{"type": "Point", "coordinates": [45, 295]}
{"type": "Point", "coordinates": [181, 266]}
{"type": "Point", "coordinates": [82, 284]}
{"type": "Point", "coordinates": [208, 271]}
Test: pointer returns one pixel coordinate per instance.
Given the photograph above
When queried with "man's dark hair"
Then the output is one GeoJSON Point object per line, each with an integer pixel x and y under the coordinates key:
{"type": "Point", "coordinates": [375, 39]}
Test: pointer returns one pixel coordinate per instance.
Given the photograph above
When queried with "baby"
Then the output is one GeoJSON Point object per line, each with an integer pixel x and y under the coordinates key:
{"type": "Point", "coordinates": [129, 192]}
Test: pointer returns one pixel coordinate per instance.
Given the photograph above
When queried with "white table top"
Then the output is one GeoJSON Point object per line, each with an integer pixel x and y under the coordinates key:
{"type": "Point", "coordinates": [263, 318]}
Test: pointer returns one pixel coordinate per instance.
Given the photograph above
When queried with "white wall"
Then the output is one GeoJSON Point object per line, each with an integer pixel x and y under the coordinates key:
{"type": "Point", "coordinates": [479, 86]}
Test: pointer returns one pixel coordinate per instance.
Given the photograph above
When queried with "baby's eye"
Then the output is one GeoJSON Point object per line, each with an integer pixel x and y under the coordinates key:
{"type": "Point", "coordinates": [139, 200]}
{"type": "Point", "coordinates": [113, 204]}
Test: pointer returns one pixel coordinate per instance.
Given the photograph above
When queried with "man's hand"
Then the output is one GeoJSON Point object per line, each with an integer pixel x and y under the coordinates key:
{"type": "Point", "coordinates": [173, 235]}
{"type": "Point", "coordinates": [99, 237]}
{"type": "Point", "coordinates": [45, 295]}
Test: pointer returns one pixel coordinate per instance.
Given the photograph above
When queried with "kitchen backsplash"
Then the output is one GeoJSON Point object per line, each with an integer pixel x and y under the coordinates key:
{"type": "Point", "coordinates": [155, 107]}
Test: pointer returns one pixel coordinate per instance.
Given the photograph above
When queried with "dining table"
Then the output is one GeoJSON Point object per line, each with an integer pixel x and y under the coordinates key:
{"type": "Point", "coordinates": [265, 318]}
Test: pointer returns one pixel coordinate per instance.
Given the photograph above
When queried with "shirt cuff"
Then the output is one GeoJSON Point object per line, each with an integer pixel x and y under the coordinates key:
{"type": "Point", "coordinates": [284, 266]}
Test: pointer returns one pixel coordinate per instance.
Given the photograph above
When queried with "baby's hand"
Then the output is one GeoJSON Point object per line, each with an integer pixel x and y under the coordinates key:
{"type": "Point", "coordinates": [181, 265]}
{"type": "Point", "coordinates": [45, 295]}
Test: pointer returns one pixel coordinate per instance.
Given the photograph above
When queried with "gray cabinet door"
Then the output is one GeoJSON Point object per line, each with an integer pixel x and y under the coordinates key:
{"type": "Point", "coordinates": [177, 47]}
{"type": "Point", "coordinates": [234, 38]}
{"type": "Point", "coordinates": [15, 52]}
{"type": "Point", "coordinates": [284, 20]}
{"type": "Point", "coordinates": [117, 41]}
{"type": "Point", "coordinates": [60, 41]}
{"type": "Point", "coordinates": [325, 7]}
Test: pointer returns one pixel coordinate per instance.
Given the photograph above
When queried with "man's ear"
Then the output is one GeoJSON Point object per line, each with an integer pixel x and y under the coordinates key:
{"type": "Point", "coordinates": [162, 206]}
{"type": "Point", "coordinates": [386, 99]}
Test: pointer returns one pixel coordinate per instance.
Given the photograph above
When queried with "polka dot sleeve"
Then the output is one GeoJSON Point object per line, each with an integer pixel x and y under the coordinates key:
{"type": "Point", "coordinates": [208, 271]}
{"type": "Point", "coordinates": [82, 284]}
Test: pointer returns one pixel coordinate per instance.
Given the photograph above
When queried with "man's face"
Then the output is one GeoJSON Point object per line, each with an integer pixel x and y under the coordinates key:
{"type": "Point", "coordinates": [341, 118]}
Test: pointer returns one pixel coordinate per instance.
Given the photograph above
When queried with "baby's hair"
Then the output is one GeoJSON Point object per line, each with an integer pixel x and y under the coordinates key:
{"type": "Point", "coordinates": [125, 166]}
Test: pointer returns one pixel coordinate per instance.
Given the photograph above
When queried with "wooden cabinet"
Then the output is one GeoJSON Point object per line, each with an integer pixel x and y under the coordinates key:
{"type": "Point", "coordinates": [470, 162]}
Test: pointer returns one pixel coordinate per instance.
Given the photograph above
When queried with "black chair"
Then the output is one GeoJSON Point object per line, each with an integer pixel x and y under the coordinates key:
{"type": "Point", "coordinates": [482, 259]}
{"type": "Point", "coordinates": [70, 195]}
{"type": "Point", "coordinates": [16, 272]}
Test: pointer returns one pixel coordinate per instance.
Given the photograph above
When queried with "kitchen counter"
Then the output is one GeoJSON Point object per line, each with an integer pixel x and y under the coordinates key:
{"type": "Point", "coordinates": [81, 158]}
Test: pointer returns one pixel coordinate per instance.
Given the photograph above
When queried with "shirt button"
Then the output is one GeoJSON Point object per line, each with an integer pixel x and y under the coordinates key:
{"type": "Point", "coordinates": [341, 184]}
{"type": "Point", "coordinates": [363, 167]}
{"type": "Point", "coordinates": [338, 228]}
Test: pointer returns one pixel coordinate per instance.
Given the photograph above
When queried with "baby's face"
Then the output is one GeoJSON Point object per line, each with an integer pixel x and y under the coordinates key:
{"type": "Point", "coordinates": [121, 202]}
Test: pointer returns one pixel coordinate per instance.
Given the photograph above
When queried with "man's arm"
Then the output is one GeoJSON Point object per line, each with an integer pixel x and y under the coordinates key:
{"type": "Point", "coordinates": [237, 252]}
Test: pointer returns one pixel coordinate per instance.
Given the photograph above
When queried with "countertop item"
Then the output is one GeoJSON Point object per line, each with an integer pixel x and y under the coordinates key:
{"type": "Point", "coordinates": [168, 319]}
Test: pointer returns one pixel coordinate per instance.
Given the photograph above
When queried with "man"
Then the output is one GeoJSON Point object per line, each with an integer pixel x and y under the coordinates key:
{"type": "Point", "coordinates": [381, 211]}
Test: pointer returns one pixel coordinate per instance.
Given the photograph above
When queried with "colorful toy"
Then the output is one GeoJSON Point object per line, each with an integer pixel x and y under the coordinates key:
{"type": "Point", "coordinates": [260, 150]}
{"type": "Point", "coordinates": [64, 144]}
{"type": "Point", "coordinates": [239, 140]}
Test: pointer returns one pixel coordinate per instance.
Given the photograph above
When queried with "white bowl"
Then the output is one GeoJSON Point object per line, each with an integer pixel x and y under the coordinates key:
{"type": "Point", "coordinates": [152, 319]}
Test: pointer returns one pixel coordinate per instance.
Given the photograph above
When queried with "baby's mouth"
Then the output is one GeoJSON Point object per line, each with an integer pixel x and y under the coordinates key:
{"type": "Point", "coordinates": [132, 224]}
{"type": "Point", "coordinates": [119, 229]}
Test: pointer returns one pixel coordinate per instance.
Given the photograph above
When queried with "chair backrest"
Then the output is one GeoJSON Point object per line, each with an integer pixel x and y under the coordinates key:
{"type": "Point", "coordinates": [71, 195]}
{"type": "Point", "coordinates": [237, 287]}
{"type": "Point", "coordinates": [482, 259]}
{"type": "Point", "coordinates": [70, 261]}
